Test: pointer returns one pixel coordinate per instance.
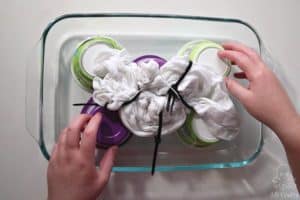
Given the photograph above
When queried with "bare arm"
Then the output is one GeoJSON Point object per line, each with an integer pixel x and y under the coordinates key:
{"type": "Point", "coordinates": [291, 141]}
{"type": "Point", "coordinates": [266, 100]}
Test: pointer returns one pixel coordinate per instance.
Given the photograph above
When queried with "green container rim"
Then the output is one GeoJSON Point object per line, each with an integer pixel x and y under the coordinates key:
{"type": "Point", "coordinates": [82, 77]}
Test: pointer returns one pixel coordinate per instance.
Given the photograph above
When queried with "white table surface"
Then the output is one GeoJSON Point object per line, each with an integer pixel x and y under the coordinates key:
{"type": "Point", "coordinates": [22, 166]}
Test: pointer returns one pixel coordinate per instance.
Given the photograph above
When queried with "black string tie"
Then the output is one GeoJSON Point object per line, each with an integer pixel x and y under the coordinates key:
{"type": "Point", "coordinates": [173, 95]}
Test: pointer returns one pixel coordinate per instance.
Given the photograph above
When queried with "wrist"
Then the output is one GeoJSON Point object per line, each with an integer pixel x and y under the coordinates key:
{"type": "Point", "coordinates": [289, 131]}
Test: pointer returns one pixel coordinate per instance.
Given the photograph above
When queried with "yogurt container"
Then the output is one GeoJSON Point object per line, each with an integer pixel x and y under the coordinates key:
{"type": "Point", "coordinates": [87, 55]}
{"type": "Point", "coordinates": [146, 58]}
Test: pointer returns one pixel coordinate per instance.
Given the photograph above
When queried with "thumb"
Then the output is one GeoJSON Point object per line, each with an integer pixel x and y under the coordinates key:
{"type": "Point", "coordinates": [106, 165]}
{"type": "Point", "coordinates": [237, 90]}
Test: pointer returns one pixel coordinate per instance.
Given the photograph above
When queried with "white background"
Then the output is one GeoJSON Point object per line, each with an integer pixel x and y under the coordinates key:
{"type": "Point", "coordinates": [23, 168]}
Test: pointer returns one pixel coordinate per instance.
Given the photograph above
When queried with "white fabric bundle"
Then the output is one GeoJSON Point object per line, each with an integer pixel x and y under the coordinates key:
{"type": "Point", "coordinates": [120, 81]}
{"type": "Point", "coordinates": [206, 92]}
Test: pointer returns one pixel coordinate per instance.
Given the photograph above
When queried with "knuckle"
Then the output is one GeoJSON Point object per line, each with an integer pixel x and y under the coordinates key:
{"type": "Point", "coordinates": [70, 129]}
{"type": "Point", "coordinates": [65, 158]}
{"type": "Point", "coordinates": [240, 59]}
{"type": "Point", "coordinates": [66, 130]}
{"type": "Point", "coordinates": [88, 132]}
{"type": "Point", "coordinates": [62, 140]}
{"type": "Point", "coordinates": [232, 55]}
{"type": "Point", "coordinates": [244, 60]}
{"type": "Point", "coordinates": [252, 53]}
{"type": "Point", "coordinates": [261, 65]}
{"type": "Point", "coordinates": [81, 163]}
{"type": "Point", "coordinates": [73, 128]}
{"type": "Point", "coordinates": [259, 74]}
{"type": "Point", "coordinates": [104, 178]}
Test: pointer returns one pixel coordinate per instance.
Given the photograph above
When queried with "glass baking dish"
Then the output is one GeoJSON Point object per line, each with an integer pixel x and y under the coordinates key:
{"type": "Point", "coordinates": [51, 89]}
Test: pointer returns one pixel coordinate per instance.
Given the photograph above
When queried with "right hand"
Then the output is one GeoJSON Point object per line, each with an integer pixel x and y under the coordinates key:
{"type": "Point", "coordinates": [264, 97]}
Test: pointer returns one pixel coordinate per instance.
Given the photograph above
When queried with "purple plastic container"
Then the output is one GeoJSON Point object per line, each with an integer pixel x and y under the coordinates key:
{"type": "Point", "coordinates": [111, 131]}
{"type": "Point", "coordinates": [147, 58]}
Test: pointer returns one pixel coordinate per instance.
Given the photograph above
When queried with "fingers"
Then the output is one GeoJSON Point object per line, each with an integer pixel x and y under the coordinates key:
{"type": "Point", "coordinates": [237, 90]}
{"type": "Point", "coordinates": [234, 46]}
{"type": "Point", "coordinates": [240, 59]}
{"type": "Point", "coordinates": [88, 141]}
{"type": "Point", "coordinates": [106, 165]}
{"type": "Point", "coordinates": [74, 130]}
{"type": "Point", "coordinates": [61, 142]}
{"type": "Point", "coordinates": [59, 151]}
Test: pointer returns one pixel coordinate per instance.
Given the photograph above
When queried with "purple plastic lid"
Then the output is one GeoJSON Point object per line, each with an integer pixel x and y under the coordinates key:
{"type": "Point", "coordinates": [146, 58]}
{"type": "Point", "coordinates": [111, 131]}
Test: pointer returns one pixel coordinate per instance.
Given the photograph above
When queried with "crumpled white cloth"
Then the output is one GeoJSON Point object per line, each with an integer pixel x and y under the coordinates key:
{"type": "Point", "coordinates": [206, 92]}
{"type": "Point", "coordinates": [121, 80]}
{"type": "Point", "coordinates": [142, 115]}
{"type": "Point", "coordinates": [118, 80]}
{"type": "Point", "coordinates": [115, 82]}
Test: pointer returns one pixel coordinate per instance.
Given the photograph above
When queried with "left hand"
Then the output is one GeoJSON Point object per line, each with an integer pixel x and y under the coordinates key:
{"type": "Point", "coordinates": [72, 174]}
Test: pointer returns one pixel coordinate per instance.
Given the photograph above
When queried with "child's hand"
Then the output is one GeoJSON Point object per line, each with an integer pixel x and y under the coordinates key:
{"type": "Point", "coordinates": [72, 173]}
{"type": "Point", "coordinates": [264, 97]}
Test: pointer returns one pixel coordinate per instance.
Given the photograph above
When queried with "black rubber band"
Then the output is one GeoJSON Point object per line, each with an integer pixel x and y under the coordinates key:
{"type": "Point", "coordinates": [157, 140]}
{"type": "Point", "coordinates": [85, 104]}
{"type": "Point", "coordinates": [183, 75]}
{"type": "Point", "coordinates": [132, 100]}
{"type": "Point", "coordinates": [168, 102]}
{"type": "Point", "coordinates": [172, 104]}
{"type": "Point", "coordinates": [173, 92]}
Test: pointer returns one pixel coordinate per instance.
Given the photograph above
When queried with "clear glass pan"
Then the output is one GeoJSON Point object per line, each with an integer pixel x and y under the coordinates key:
{"type": "Point", "coordinates": [51, 89]}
